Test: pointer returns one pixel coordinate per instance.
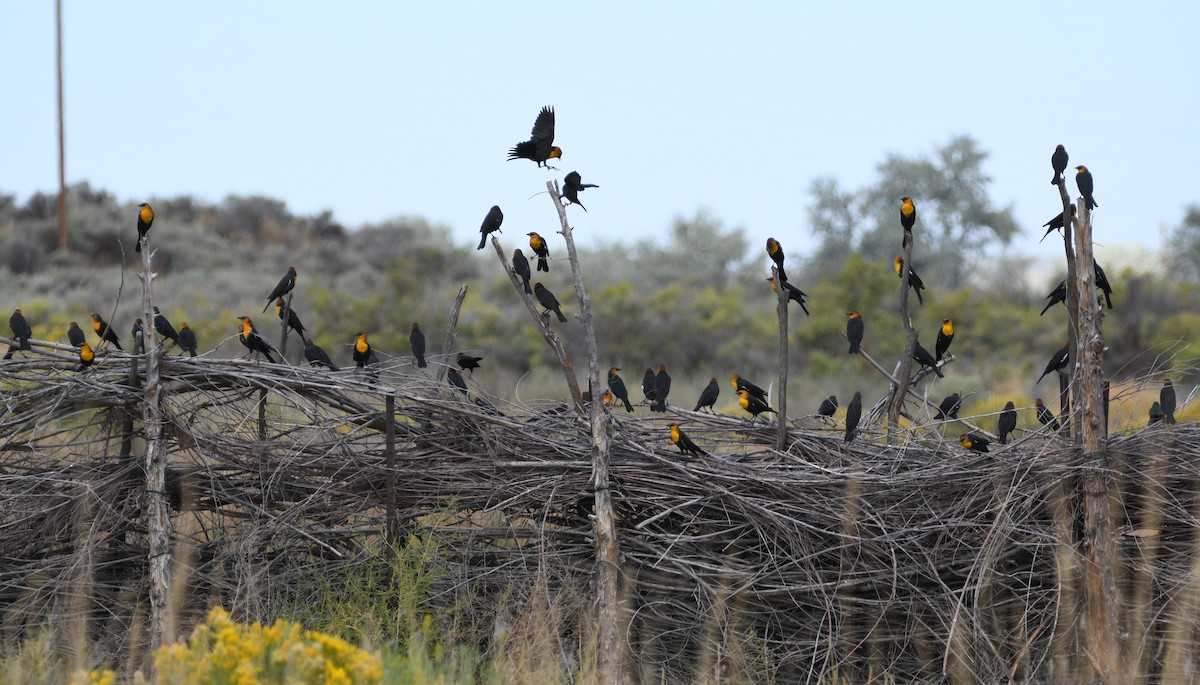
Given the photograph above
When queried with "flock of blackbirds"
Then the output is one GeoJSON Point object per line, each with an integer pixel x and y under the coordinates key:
{"type": "Point", "coordinates": [656, 385]}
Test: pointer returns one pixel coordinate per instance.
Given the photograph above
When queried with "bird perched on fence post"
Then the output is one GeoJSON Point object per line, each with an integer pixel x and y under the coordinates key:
{"type": "Point", "coordinates": [139, 336]}
{"type": "Point", "coordinates": [908, 217]}
{"type": "Point", "coordinates": [617, 386]}
{"type": "Point", "coordinates": [539, 247]}
{"type": "Point", "coordinates": [284, 287]}
{"type": "Point", "coordinates": [1083, 181]}
{"type": "Point", "coordinates": [662, 388]}
{"type": "Point", "coordinates": [775, 252]}
{"type": "Point", "coordinates": [105, 331]}
{"type": "Point", "coordinates": [708, 396]}
{"type": "Point", "coordinates": [573, 185]}
{"type": "Point", "coordinates": [540, 146]}
{"type": "Point", "coordinates": [794, 294]}
{"type": "Point", "coordinates": [1058, 160]}
{"type": "Point", "coordinates": [252, 340]}
{"type": "Point", "coordinates": [944, 338]}
{"type": "Point", "coordinates": [521, 267]}
{"type": "Point", "coordinates": [491, 223]}
{"type": "Point", "coordinates": [145, 218]}
{"type": "Point", "coordinates": [853, 415]}
{"type": "Point", "coordinates": [1166, 399]}
{"type": "Point", "coordinates": [683, 442]}
{"type": "Point", "coordinates": [1058, 361]}
{"type": "Point", "coordinates": [416, 343]}
{"type": "Point", "coordinates": [914, 281]}
{"type": "Point", "coordinates": [1007, 423]}
{"type": "Point", "coordinates": [187, 339]}
{"type": "Point", "coordinates": [548, 301]}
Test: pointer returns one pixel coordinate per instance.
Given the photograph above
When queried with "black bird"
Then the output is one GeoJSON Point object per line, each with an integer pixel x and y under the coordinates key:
{"type": "Point", "coordinates": [293, 319]}
{"type": "Point", "coordinates": [187, 339]}
{"type": "Point", "coordinates": [648, 390]}
{"type": "Point", "coordinates": [468, 363]}
{"type": "Point", "coordinates": [829, 406]}
{"type": "Point", "coordinates": [948, 409]}
{"type": "Point", "coordinates": [1056, 223]}
{"type": "Point", "coordinates": [455, 378]}
{"type": "Point", "coordinates": [1044, 415]}
{"type": "Point", "coordinates": [1059, 294]}
{"type": "Point", "coordinates": [362, 354]}
{"type": "Point", "coordinates": [853, 414]}
{"type": "Point", "coordinates": [1058, 362]}
{"type": "Point", "coordinates": [1083, 180]}
{"type": "Point", "coordinates": [491, 223]}
{"type": "Point", "coordinates": [284, 286]}
{"type": "Point", "coordinates": [521, 268]}
{"type": "Point", "coordinates": [1007, 422]}
{"type": "Point", "coordinates": [794, 294]}
{"type": "Point", "coordinates": [573, 185]}
{"type": "Point", "coordinates": [854, 331]}
{"type": "Point", "coordinates": [540, 146]}
{"type": "Point", "coordinates": [617, 387]}
{"type": "Point", "coordinates": [775, 252]}
{"type": "Point", "coordinates": [538, 244]}
{"type": "Point", "coordinates": [922, 356]}
{"type": "Point", "coordinates": [75, 335]}
{"type": "Point", "coordinates": [662, 388]}
{"type": "Point", "coordinates": [945, 337]}
{"type": "Point", "coordinates": [416, 342]}
{"type": "Point", "coordinates": [753, 404]}
{"type": "Point", "coordinates": [974, 442]}
{"type": "Point", "coordinates": [708, 396]}
{"type": "Point", "coordinates": [914, 281]}
{"type": "Point", "coordinates": [1156, 413]}
{"type": "Point", "coordinates": [164, 327]}
{"type": "Point", "coordinates": [21, 333]}
{"type": "Point", "coordinates": [1166, 399]}
{"type": "Point", "coordinates": [139, 335]}
{"type": "Point", "coordinates": [740, 384]}
{"type": "Point", "coordinates": [104, 330]}
{"type": "Point", "coordinates": [1103, 284]}
{"type": "Point", "coordinates": [1058, 160]}
{"type": "Point", "coordinates": [317, 356]}
{"type": "Point", "coordinates": [683, 442]}
{"type": "Point", "coordinates": [145, 219]}
{"type": "Point", "coordinates": [548, 301]}
{"type": "Point", "coordinates": [252, 340]}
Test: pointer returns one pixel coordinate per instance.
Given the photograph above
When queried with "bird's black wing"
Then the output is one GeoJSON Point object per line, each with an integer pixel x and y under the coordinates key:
{"type": "Point", "coordinates": [543, 127]}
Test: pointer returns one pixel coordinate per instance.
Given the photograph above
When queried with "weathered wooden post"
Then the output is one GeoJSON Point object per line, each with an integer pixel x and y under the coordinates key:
{"type": "Point", "coordinates": [781, 308]}
{"type": "Point", "coordinates": [904, 372]}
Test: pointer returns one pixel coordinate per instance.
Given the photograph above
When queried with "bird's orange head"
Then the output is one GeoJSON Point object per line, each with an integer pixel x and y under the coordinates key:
{"type": "Point", "coordinates": [852, 315]}
{"type": "Point", "coordinates": [74, 325]}
{"type": "Point", "coordinates": [1081, 169]}
{"type": "Point", "coordinates": [898, 263]}
{"type": "Point", "coordinates": [517, 253]}
{"type": "Point", "coordinates": [416, 326]}
{"type": "Point", "coordinates": [556, 153]}
{"type": "Point", "coordinates": [772, 246]}
{"type": "Point", "coordinates": [774, 289]}
{"type": "Point", "coordinates": [745, 397]}
{"type": "Point", "coordinates": [607, 398]}
{"type": "Point", "coordinates": [247, 324]}
{"type": "Point", "coordinates": [613, 371]}
{"type": "Point", "coordinates": [906, 205]}
{"type": "Point", "coordinates": [675, 432]}
{"type": "Point", "coordinates": [965, 440]}
{"type": "Point", "coordinates": [947, 327]}
{"type": "Point", "coordinates": [183, 325]}
{"type": "Point", "coordinates": [1038, 402]}
{"type": "Point", "coordinates": [662, 368]}
{"type": "Point", "coordinates": [145, 213]}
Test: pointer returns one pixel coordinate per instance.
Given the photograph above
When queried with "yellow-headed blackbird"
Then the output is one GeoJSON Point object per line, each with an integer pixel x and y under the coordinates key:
{"type": "Point", "coordinates": [608, 399]}
{"type": "Point", "coordinates": [973, 442]}
{"type": "Point", "coordinates": [416, 342]}
{"type": "Point", "coordinates": [1156, 413]}
{"type": "Point", "coordinates": [538, 245]}
{"type": "Point", "coordinates": [683, 442]}
{"type": "Point", "coordinates": [662, 388]}
{"type": "Point", "coordinates": [145, 218]}
{"type": "Point", "coordinates": [1056, 223]}
{"type": "Point", "coordinates": [284, 287]}
{"type": "Point", "coordinates": [1058, 362]}
{"type": "Point", "coordinates": [362, 351]}
{"type": "Point", "coordinates": [540, 146]}
{"type": "Point", "coordinates": [794, 294]}
{"type": "Point", "coordinates": [468, 363]}
{"type": "Point", "coordinates": [1083, 180]}
{"type": "Point", "coordinates": [164, 327]}
{"type": "Point", "coordinates": [86, 356]}
{"type": "Point", "coordinates": [1007, 422]}
{"type": "Point", "coordinates": [908, 217]}
{"type": "Point", "coordinates": [775, 252]}
{"type": "Point", "coordinates": [922, 357]}
{"type": "Point", "coordinates": [315, 356]}
{"type": "Point", "coordinates": [828, 407]}
{"type": "Point", "coordinates": [945, 337]}
{"type": "Point", "coordinates": [75, 335]}
{"type": "Point", "coordinates": [521, 268]}
{"type": "Point", "coordinates": [1059, 294]}
{"type": "Point", "coordinates": [491, 223]}
{"type": "Point", "coordinates": [914, 281]}
{"type": "Point", "coordinates": [252, 340]}
{"type": "Point", "coordinates": [455, 378]}
{"type": "Point", "coordinates": [753, 404]}
{"type": "Point", "coordinates": [1103, 284]}
{"type": "Point", "coordinates": [293, 319]}
{"type": "Point", "coordinates": [1058, 160]}
{"type": "Point", "coordinates": [1166, 398]}
{"type": "Point", "coordinates": [139, 335]}
{"type": "Point", "coordinates": [104, 331]}
{"type": "Point", "coordinates": [854, 331]}
{"type": "Point", "coordinates": [853, 414]}
{"type": "Point", "coordinates": [948, 409]}
{"type": "Point", "coordinates": [548, 301]}
{"type": "Point", "coordinates": [187, 339]}
{"type": "Point", "coordinates": [648, 390]}
{"type": "Point", "coordinates": [617, 386]}
{"type": "Point", "coordinates": [573, 185]}
{"type": "Point", "coordinates": [21, 333]}
{"type": "Point", "coordinates": [740, 384]}
{"type": "Point", "coordinates": [708, 396]}
{"type": "Point", "coordinates": [1045, 416]}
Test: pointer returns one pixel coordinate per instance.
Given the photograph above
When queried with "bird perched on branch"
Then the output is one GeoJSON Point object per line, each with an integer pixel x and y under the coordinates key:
{"type": "Point", "coordinates": [740, 384]}
{"type": "Point", "coordinates": [539, 247]}
{"type": "Point", "coordinates": [362, 351]}
{"type": "Point", "coordinates": [662, 388]}
{"type": "Point", "coordinates": [945, 337]}
{"type": "Point", "coordinates": [521, 267]}
{"type": "Point", "coordinates": [708, 396]}
{"type": "Point", "coordinates": [21, 333]}
{"type": "Point", "coordinates": [293, 319]}
{"type": "Point", "coordinates": [683, 442]}
{"type": "Point", "coordinates": [1103, 284]}
{"type": "Point", "coordinates": [315, 356]}
{"type": "Point", "coordinates": [1166, 399]}
{"type": "Point", "coordinates": [794, 294]}
{"type": "Point", "coordinates": [648, 391]}
{"type": "Point", "coordinates": [829, 406]}
{"type": "Point", "coordinates": [1059, 294]}
{"type": "Point", "coordinates": [753, 404]}
{"type": "Point", "coordinates": [853, 415]}
{"type": "Point", "coordinates": [252, 340]}
{"type": "Point", "coordinates": [948, 409]}
{"type": "Point", "coordinates": [491, 223]}
{"type": "Point", "coordinates": [1083, 181]}
{"type": "Point", "coordinates": [573, 185]}
{"type": "Point", "coordinates": [104, 330]}
{"type": "Point", "coordinates": [854, 331]}
{"type": "Point", "coordinates": [1057, 223]}
{"type": "Point", "coordinates": [1007, 423]}
{"type": "Point", "coordinates": [914, 281]}
{"type": "Point", "coordinates": [775, 252]}
{"type": "Point", "coordinates": [75, 335]}
{"type": "Point", "coordinates": [548, 301]}
{"type": "Point", "coordinates": [468, 363]}
{"type": "Point", "coordinates": [145, 218]}
{"type": "Point", "coordinates": [1156, 414]}
{"type": "Point", "coordinates": [1058, 362]}
{"type": "Point", "coordinates": [86, 356]}
{"type": "Point", "coordinates": [455, 378]}
{"type": "Point", "coordinates": [908, 217]}
{"type": "Point", "coordinates": [187, 339]}
{"type": "Point", "coordinates": [540, 146]}
{"type": "Point", "coordinates": [284, 287]}
{"type": "Point", "coordinates": [138, 332]}
{"type": "Point", "coordinates": [922, 357]}
{"type": "Point", "coordinates": [617, 386]}
{"type": "Point", "coordinates": [974, 442]}
{"type": "Point", "coordinates": [1058, 160]}
{"type": "Point", "coordinates": [164, 327]}
{"type": "Point", "coordinates": [416, 343]}
{"type": "Point", "coordinates": [1044, 416]}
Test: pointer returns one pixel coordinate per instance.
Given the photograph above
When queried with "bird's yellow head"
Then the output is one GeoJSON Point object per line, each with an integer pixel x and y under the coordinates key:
{"type": "Point", "coordinates": [898, 263]}
{"type": "Point", "coordinates": [1038, 402]}
{"type": "Point", "coordinates": [906, 205]}
{"type": "Point", "coordinates": [247, 324]}
{"type": "Point", "coordinates": [675, 432]}
{"type": "Point", "coordinates": [613, 371]}
{"type": "Point", "coordinates": [555, 153]}
{"type": "Point", "coordinates": [662, 368]}
{"type": "Point", "coordinates": [772, 246]}
{"type": "Point", "coordinates": [361, 343]}
{"type": "Point", "coordinates": [771, 279]}
{"type": "Point", "coordinates": [965, 440]}
{"type": "Point", "coordinates": [947, 327]}
{"type": "Point", "coordinates": [852, 315]}
{"type": "Point", "coordinates": [607, 398]}
{"type": "Point", "coordinates": [744, 398]}
{"type": "Point", "coordinates": [1081, 169]}
{"type": "Point", "coordinates": [145, 213]}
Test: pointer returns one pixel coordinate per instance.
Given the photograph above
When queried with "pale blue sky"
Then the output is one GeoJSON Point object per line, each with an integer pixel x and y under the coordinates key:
{"type": "Point", "coordinates": [377, 109]}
